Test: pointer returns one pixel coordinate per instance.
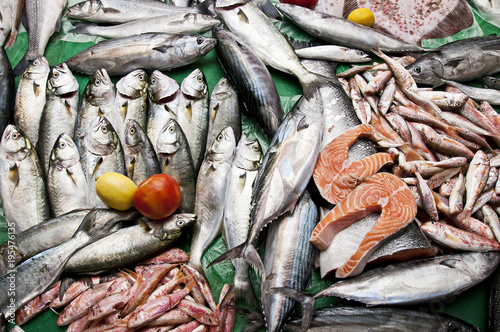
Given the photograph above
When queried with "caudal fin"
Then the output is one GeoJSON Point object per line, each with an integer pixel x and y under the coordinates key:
{"type": "Point", "coordinates": [81, 27]}
{"type": "Point", "coordinates": [21, 66]}
{"type": "Point", "coordinates": [242, 291]}
{"type": "Point", "coordinates": [89, 227]}
{"type": "Point", "coordinates": [307, 301]}
{"type": "Point", "coordinates": [246, 251]}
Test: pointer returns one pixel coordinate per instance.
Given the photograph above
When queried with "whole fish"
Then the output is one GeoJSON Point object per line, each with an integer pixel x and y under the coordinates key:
{"type": "Point", "coordinates": [211, 190]}
{"type": "Point", "coordinates": [131, 99]}
{"type": "Point", "coordinates": [475, 180]}
{"type": "Point", "coordinates": [11, 12]}
{"type": "Point", "coordinates": [163, 98]}
{"type": "Point", "coordinates": [333, 53]}
{"type": "Point", "coordinates": [237, 208]}
{"type": "Point", "coordinates": [176, 23]}
{"type": "Point", "coordinates": [138, 152]}
{"type": "Point", "coordinates": [23, 184]}
{"type": "Point", "coordinates": [130, 245]}
{"type": "Point", "coordinates": [192, 114]}
{"type": "Point", "coordinates": [461, 60]}
{"type": "Point", "coordinates": [224, 110]}
{"type": "Point", "coordinates": [339, 31]}
{"type": "Point", "coordinates": [7, 90]}
{"type": "Point", "coordinates": [491, 82]}
{"type": "Point", "coordinates": [492, 96]}
{"type": "Point", "coordinates": [411, 282]}
{"type": "Point", "coordinates": [103, 153]}
{"type": "Point", "coordinates": [120, 11]}
{"type": "Point", "coordinates": [302, 130]}
{"type": "Point", "coordinates": [251, 79]}
{"type": "Point", "coordinates": [147, 51]}
{"type": "Point", "coordinates": [35, 275]}
{"type": "Point", "coordinates": [30, 98]}
{"type": "Point", "coordinates": [175, 160]}
{"type": "Point", "coordinates": [361, 319]}
{"type": "Point", "coordinates": [43, 18]}
{"type": "Point", "coordinates": [60, 112]}
{"type": "Point", "coordinates": [288, 260]}
{"type": "Point", "coordinates": [67, 186]}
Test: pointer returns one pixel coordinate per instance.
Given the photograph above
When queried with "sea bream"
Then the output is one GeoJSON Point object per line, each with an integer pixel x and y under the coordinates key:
{"type": "Point", "coordinates": [149, 51]}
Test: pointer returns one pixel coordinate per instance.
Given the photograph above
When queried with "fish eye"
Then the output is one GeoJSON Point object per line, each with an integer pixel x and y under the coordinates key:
{"type": "Point", "coordinates": [219, 137]}
{"type": "Point", "coordinates": [97, 82]}
{"type": "Point", "coordinates": [104, 129]}
{"type": "Point", "coordinates": [141, 77]}
{"type": "Point", "coordinates": [62, 145]}
{"type": "Point", "coordinates": [36, 62]}
{"type": "Point", "coordinates": [199, 78]}
{"type": "Point", "coordinates": [55, 74]}
{"type": "Point", "coordinates": [199, 40]}
{"type": "Point", "coordinates": [16, 135]}
{"type": "Point", "coordinates": [152, 80]}
{"type": "Point", "coordinates": [255, 148]}
{"type": "Point", "coordinates": [417, 70]}
{"type": "Point", "coordinates": [171, 129]}
{"type": "Point", "coordinates": [180, 223]}
{"type": "Point", "coordinates": [132, 130]}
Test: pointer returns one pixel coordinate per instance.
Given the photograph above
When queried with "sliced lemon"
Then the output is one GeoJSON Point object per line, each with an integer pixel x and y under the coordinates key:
{"type": "Point", "coordinates": [116, 190]}
{"type": "Point", "coordinates": [363, 16]}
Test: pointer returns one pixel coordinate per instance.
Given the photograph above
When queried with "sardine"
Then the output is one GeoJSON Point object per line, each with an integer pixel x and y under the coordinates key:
{"type": "Point", "coordinates": [60, 112]}
{"type": "Point", "coordinates": [35, 275]}
{"type": "Point", "coordinates": [139, 155]}
{"type": "Point", "coordinates": [211, 190]}
{"type": "Point", "coordinates": [175, 160]}
{"type": "Point", "coordinates": [176, 23]}
{"type": "Point", "coordinates": [7, 90]}
{"type": "Point", "coordinates": [30, 98]}
{"type": "Point", "coordinates": [339, 31]}
{"type": "Point", "coordinates": [147, 51]}
{"type": "Point", "coordinates": [120, 11]}
{"type": "Point", "coordinates": [130, 245]}
{"type": "Point", "coordinates": [67, 186]}
{"type": "Point", "coordinates": [43, 18]}
{"type": "Point", "coordinates": [23, 184]}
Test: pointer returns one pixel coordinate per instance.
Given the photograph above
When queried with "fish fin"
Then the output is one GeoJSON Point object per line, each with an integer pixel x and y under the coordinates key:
{"type": "Point", "coordinates": [68, 107]}
{"type": "Point", "coordinates": [246, 251]}
{"type": "Point", "coordinates": [36, 89]}
{"type": "Point", "coordinates": [65, 283]}
{"type": "Point", "coordinates": [81, 28]}
{"type": "Point", "coordinates": [242, 291]}
{"type": "Point", "coordinates": [302, 124]}
{"type": "Point", "coordinates": [110, 10]}
{"type": "Point", "coordinates": [144, 225]}
{"type": "Point", "coordinates": [99, 162]}
{"type": "Point", "coordinates": [14, 174]}
{"type": "Point", "coordinates": [131, 168]}
{"type": "Point", "coordinates": [449, 262]}
{"type": "Point", "coordinates": [12, 38]}
{"type": "Point", "coordinates": [207, 7]}
{"type": "Point", "coordinates": [242, 16]}
{"type": "Point", "coordinates": [21, 66]}
{"type": "Point", "coordinates": [90, 227]}
{"type": "Point", "coordinates": [268, 8]}
{"type": "Point", "coordinates": [307, 301]}
{"type": "Point", "coordinates": [255, 319]}
{"type": "Point", "coordinates": [162, 49]}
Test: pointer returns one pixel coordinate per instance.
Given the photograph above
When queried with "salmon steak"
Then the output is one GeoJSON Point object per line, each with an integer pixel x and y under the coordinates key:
{"type": "Point", "coordinates": [335, 176]}
{"type": "Point", "coordinates": [384, 193]}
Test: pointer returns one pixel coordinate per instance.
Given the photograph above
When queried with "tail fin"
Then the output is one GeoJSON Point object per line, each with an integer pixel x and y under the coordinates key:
{"type": "Point", "coordinates": [21, 66]}
{"type": "Point", "coordinates": [89, 227]}
{"type": "Point", "coordinates": [307, 301]}
{"type": "Point", "coordinates": [207, 7]}
{"type": "Point", "coordinates": [268, 8]}
{"type": "Point", "coordinates": [81, 27]}
{"type": "Point", "coordinates": [255, 319]}
{"type": "Point", "coordinates": [246, 251]}
{"type": "Point", "coordinates": [242, 291]}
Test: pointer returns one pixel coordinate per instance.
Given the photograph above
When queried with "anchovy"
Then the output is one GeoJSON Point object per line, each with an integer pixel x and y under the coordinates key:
{"type": "Point", "coordinates": [67, 186]}
{"type": "Point", "coordinates": [175, 160]}
{"type": "Point", "coordinates": [174, 23]}
{"type": "Point", "coordinates": [7, 90]}
{"type": "Point", "coordinates": [60, 112]}
{"type": "Point", "coordinates": [147, 51]}
{"type": "Point", "coordinates": [23, 184]}
{"type": "Point", "coordinates": [339, 31]}
{"type": "Point", "coordinates": [130, 245]}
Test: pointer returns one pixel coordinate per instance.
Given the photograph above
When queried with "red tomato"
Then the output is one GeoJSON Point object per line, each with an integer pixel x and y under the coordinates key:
{"type": "Point", "coordinates": [158, 196]}
{"type": "Point", "coordinates": [311, 4]}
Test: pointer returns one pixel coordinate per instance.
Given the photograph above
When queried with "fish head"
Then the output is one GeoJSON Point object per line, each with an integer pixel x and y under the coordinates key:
{"type": "Point", "coordinates": [62, 81]}
{"type": "Point", "coordinates": [169, 138]}
{"type": "Point", "coordinates": [100, 89]}
{"type": "Point", "coordinates": [195, 85]}
{"type": "Point", "coordinates": [14, 144]}
{"type": "Point", "coordinates": [38, 70]}
{"type": "Point", "coordinates": [133, 85]}
{"type": "Point", "coordinates": [223, 146]}
{"type": "Point", "coordinates": [100, 138]}
{"type": "Point", "coordinates": [191, 48]}
{"type": "Point", "coordinates": [249, 153]}
{"type": "Point", "coordinates": [162, 88]}
{"type": "Point", "coordinates": [134, 136]}
{"type": "Point", "coordinates": [64, 154]}
{"type": "Point", "coordinates": [427, 70]}
{"type": "Point", "coordinates": [223, 90]}
{"type": "Point", "coordinates": [84, 9]}
{"type": "Point", "coordinates": [174, 225]}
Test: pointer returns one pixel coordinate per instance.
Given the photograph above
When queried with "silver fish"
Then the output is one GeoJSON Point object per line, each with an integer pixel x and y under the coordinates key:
{"type": "Point", "coordinates": [492, 96]}
{"type": "Point", "coordinates": [7, 90]}
{"type": "Point", "coordinates": [491, 82]}
{"type": "Point", "coordinates": [339, 31]}
{"type": "Point", "coordinates": [288, 261]}
{"type": "Point", "coordinates": [35, 275]}
{"type": "Point", "coordinates": [176, 23]}
{"type": "Point", "coordinates": [11, 12]}
{"type": "Point", "coordinates": [130, 245]}
{"type": "Point", "coordinates": [43, 18]}
{"type": "Point", "coordinates": [120, 11]}
{"type": "Point", "coordinates": [224, 110]}
{"type": "Point", "coordinates": [163, 98]}
{"type": "Point", "coordinates": [66, 182]}
{"type": "Point", "coordinates": [23, 185]}
{"type": "Point", "coordinates": [459, 61]}
{"type": "Point", "coordinates": [251, 79]}
{"type": "Point", "coordinates": [237, 207]}
{"type": "Point", "coordinates": [60, 112]}
{"type": "Point", "coordinates": [139, 155]}
{"type": "Point", "coordinates": [333, 53]}
{"type": "Point", "coordinates": [175, 160]}
{"type": "Point", "coordinates": [30, 98]}
{"type": "Point", "coordinates": [475, 180]}
{"type": "Point", "coordinates": [211, 189]}
{"type": "Point", "coordinates": [53, 232]}
{"type": "Point", "coordinates": [147, 51]}
{"type": "Point", "coordinates": [104, 154]}
{"type": "Point", "coordinates": [192, 114]}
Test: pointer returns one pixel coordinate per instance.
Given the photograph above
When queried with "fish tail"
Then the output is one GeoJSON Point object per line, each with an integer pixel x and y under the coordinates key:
{"type": "Point", "coordinates": [311, 82]}
{"type": "Point", "coordinates": [12, 38]}
{"type": "Point", "coordinates": [207, 8]}
{"type": "Point", "coordinates": [21, 66]}
{"type": "Point", "coordinates": [246, 251]}
{"type": "Point", "coordinates": [241, 290]}
{"type": "Point", "coordinates": [255, 319]}
{"type": "Point", "coordinates": [81, 27]}
{"type": "Point", "coordinates": [268, 8]}
{"type": "Point", "coordinates": [90, 228]}
{"type": "Point", "coordinates": [307, 301]}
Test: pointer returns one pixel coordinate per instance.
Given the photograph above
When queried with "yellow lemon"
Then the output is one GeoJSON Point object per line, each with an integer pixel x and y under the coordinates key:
{"type": "Point", "coordinates": [362, 16]}
{"type": "Point", "coordinates": [116, 190]}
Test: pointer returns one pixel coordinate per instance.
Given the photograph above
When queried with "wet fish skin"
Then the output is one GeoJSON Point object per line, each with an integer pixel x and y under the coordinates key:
{"type": "Point", "coordinates": [7, 90]}
{"type": "Point", "coordinates": [149, 51]}
{"type": "Point", "coordinates": [491, 82]}
{"type": "Point", "coordinates": [251, 79]}
{"type": "Point", "coordinates": [333, 53]}
{"type": "Point", "coordinates": [11, 19]}
{"type": "Point", "coordinates": [23, 184]}
{"type": "Point", "coordinates": [130, 245]}
{"type": "Point", "coordinates": [492, 96]}
{"type": "Point", "coordinates": [475, 180]}
{"type": "Point", "coordinates": [66, 182]}
{"type": "Point", "coordinates": [175, 160]}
